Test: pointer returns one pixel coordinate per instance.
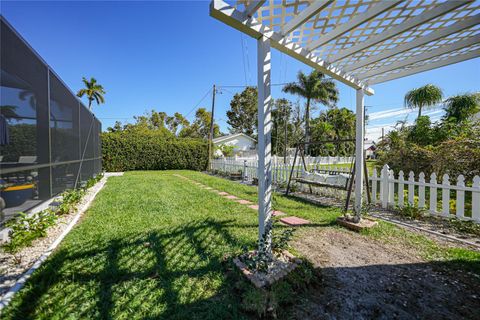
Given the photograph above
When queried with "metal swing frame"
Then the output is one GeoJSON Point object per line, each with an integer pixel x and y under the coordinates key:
{"type": "Point", "coordinates": [300, 148]}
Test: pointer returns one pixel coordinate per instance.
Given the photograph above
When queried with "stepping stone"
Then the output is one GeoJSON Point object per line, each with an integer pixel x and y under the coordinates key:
{"type": "Point", "coordinates": [294, 221]}
{"type": "Point", "coordinates": [223, 193]}
{"type": "Point", "coordinates": [214, 190]}
{"type": "Point", "coordinates": [209, 188]}
{"type": "Point", "coordinates": [254, 206]}
{"type": "Point", "coordinates": [241, 201]}
{"type": "Point", "coordinates": [277, 213]}
{"type": "Point", "coordinates": [364, 223]}
{"type": "Point", "coordinates": [231, 197]}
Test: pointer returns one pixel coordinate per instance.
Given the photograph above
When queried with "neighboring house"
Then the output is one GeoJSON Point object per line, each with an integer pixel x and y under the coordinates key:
{"type": "Point", "coordinates": [370, 148]}
{"type": "Point", "coordinates": [243, 145]}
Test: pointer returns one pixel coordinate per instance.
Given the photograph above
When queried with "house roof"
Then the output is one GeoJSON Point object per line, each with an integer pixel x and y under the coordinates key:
{"type": "Point", "coordinates": [232, 136]}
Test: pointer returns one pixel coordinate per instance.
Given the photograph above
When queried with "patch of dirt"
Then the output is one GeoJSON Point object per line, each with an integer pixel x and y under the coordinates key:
{"type": "Point", "coordinates": [367, 279]}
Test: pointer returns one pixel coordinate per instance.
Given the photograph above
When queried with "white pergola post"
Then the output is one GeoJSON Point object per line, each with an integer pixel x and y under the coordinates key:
{"type": "Point", "coordinates": [359, 154]}
{"type": "Point", "coordinates": [264, 142]}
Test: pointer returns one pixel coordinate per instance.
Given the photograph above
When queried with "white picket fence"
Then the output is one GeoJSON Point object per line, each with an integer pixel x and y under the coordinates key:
{"type": "Point", "coordinates": [390, 191]}
{"type": "Point", "coordinates": [280, 170]}
{"type": "Point", "coordinates": [289, 159]}
{"type": "Point", "coordinates": [387, 189]}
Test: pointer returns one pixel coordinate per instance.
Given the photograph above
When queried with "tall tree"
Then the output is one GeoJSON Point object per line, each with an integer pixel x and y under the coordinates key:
{"type": "Point", "coordinates": [200, 127]}
{"type": "Point", "coordinates": [423, 97]}
{"type": "Point", "coordinates": [93, 91]}
{"type": "Point", "coordinates": [334, 124]}
{"type": "Point", "coordinates": [314, 87]}
{"type": "Point", "coordinates": [117, 127]}
{"type": "Point", "coordinates": [242, 116]}
{"type": "Point", "coordinates": [462, 107]}
{"type": "Point", "coordinates": [174, 122]}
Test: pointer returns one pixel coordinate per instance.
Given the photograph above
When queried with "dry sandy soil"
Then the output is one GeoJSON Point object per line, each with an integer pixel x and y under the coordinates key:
{"type": "Point", "coordinates": [367, 279]}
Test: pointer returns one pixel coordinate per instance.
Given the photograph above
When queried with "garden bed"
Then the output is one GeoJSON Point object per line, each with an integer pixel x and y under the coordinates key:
{"type": "Point", "coordinates": [14, 265]}
{"type": "Point", "coordinates": [281, 265]}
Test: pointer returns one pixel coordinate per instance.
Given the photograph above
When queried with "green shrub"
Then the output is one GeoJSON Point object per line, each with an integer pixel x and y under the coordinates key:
{"type": "Point", "coordinates": [27, 228]}
{"type": "Point", "coordinates": [70, 199]}
{"type": "Point", "coordinates": [144, 150]}
{"type": "Point", "coordinates": [411, 212]}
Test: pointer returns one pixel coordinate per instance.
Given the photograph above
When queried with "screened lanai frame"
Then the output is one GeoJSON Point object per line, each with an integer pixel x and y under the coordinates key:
{"type": "Point", "coordinates": [54, 139]}
{"type": "Point", "coordinates": [359, 43]}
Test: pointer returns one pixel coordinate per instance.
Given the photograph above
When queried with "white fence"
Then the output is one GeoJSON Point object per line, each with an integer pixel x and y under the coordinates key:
{"type": "Point", "coordinates": [442, 198]}
{"type": "Point", "coordinates": [308, 160]}
{"type": "Point", "coordinates": [389, 191]}
{"type": "Point", "coordinates": [280, 170]}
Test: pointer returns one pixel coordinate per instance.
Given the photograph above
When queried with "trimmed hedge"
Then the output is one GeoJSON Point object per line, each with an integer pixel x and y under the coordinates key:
{"type": "Point", "coordinates": [131, 150]}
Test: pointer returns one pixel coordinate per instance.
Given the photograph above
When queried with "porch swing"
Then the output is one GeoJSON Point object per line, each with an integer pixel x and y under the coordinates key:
{"type": "Point", "coordinates": [326, 178]}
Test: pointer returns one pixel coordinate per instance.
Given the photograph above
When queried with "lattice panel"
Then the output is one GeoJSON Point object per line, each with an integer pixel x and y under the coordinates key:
{"type": "Point", "coordinates": [390, 19]}
{"type": "Point", "coordinates": [434, 45]}
{"type": "Point", "coordinates": [420, 31]}
{"type": "Point", "coordinates": [429, 61]}
{"type": "Point", "coordinates": [276, 13]}
{"type": "Point", "coordinates": [336, 13]}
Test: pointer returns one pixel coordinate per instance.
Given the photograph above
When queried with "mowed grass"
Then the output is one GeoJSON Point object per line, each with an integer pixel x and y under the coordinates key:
{"type": "Point", "coordinates": [152, 246]}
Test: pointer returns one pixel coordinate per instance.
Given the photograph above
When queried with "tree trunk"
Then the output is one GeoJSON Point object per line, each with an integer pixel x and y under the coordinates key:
{"type": "Point", "coordinates": [419, 112]}
{"type": "Point", "coordinates": [89, 104]}
{"type": "Point", "coordinates": [307, 126]}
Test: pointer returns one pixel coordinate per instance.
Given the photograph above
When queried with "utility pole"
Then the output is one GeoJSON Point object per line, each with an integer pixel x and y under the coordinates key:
{"type": "Point", "coordinates": [210, 139]}
{"type": "Point", "coordinates": [285, 146]}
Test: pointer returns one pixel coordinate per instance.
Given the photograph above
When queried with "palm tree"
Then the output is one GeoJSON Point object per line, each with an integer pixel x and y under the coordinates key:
{"type": "Point", "coordinates": [315, 88]}
{"type": "Point", "coordinates": [93, 91]}
{"type": "Point", "coordinates": [461, 107]}
{"type": "Point", "coordinates": [423, 97]}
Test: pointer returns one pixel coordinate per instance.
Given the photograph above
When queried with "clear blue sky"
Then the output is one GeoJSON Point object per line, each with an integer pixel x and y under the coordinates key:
{"type": "Point", "coordinates": [167, 55]}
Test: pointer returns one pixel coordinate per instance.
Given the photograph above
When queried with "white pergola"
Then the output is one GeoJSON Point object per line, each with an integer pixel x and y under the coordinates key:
{"type": "Point", "coordinates": [359, 43]}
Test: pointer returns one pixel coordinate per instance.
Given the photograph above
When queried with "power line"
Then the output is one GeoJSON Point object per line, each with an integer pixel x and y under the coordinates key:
{"type": "Point", "coordinates": [133, 117]}
{"type": "Point", "coordinates": [243, 58]}
{"type": "Point", "coordinates": [196, 106]}
{"type": "Point", "coordinates": [243, 86]}
{"type": "Point", "coordinates": [248, 63]}
{"type": "Point", "coordinates": [126, 118]}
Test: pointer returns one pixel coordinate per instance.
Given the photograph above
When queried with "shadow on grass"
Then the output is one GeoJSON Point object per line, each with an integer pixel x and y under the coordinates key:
{"type": "Point", "coordinates": [178, 273]}
{"type": "Point", "coordinates": [167, 273]}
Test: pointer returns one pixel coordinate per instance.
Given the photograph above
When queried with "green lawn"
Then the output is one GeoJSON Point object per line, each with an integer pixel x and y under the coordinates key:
{"type": "Point", "coordinates": [152, 246]}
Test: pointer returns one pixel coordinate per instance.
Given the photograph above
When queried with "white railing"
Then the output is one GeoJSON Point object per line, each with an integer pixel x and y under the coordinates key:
{"type": "Point", "coordinates": [436, 197]}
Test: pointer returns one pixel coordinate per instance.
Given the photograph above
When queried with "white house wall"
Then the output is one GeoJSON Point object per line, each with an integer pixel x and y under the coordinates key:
{"type": "Point", "coordinates": [240, 144]}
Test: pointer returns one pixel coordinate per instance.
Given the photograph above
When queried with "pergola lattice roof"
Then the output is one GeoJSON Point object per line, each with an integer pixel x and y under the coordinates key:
{"type": "Point", "coordinates": [362, 42]}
